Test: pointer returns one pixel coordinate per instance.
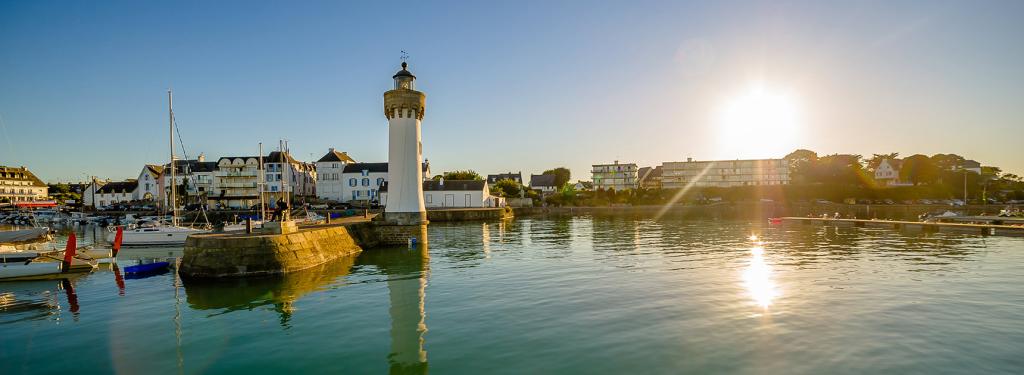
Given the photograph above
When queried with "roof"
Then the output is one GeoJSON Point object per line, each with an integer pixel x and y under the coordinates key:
{"type": "Point", "coordinates": [971, 164]}
{"type": "Point", "coordinates": [371, 167]}
{"type": "Point", "coordinates": [118, 187]}
{"type": "Point", "coordinates": [448, 185]}
{"type": "Point", "coordinates": [404, 72]}
{"type": "Point", "coordinates": [542, 180]}
{"type": "Point", "coordinates": [276, 157]}
{"type": "Point", "coordinates": [649, 172]}
{"type": "Point", "coordinates": [336, 156]}
{"type": "Point", "coordinates": [193, 166]}
{"type": "Point", "coordinates": [20, 174]}
{"type": "Point", "coordinates": [492, 178]}
{"type": "Point", "coordinates": [894, 163]}
{"type": "Point", "coordinates": [359, 167]}
{"type": "Point", "coordinates": [156, 170]}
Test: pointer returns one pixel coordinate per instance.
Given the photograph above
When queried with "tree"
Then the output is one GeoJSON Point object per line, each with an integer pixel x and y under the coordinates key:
{"type": "Point", "coordinates": [60, 189]}
{"type": "Point", "coordinates": [919, 169]}
{"type": "Point", "coordinates": [839, 169]}
{"type": "Point", "coordinates": [463, 175]}
{"type": "Point", "coordinates": [947, 162]}
{"type": "Point", "coordinates": [562, 175]}
{"type": "Point", "coordinates": [802, 164]}
{"type": "Point", "coordinates": [508, 188]}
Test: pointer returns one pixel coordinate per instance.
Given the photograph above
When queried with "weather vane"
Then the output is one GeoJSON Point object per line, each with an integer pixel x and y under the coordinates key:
{"type": "Point", "coordinates": [405, 56]}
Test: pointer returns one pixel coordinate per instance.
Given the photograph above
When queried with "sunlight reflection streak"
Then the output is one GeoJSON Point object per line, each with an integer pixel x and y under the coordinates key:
{"type": "Point", "coordinates": [757, 279]}
{"type": "Point", "coordinates": [679, 195]}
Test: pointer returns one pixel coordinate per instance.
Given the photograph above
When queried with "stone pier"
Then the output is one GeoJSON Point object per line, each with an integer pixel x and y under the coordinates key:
{"type": "Point", "coordinates": [241, 254]}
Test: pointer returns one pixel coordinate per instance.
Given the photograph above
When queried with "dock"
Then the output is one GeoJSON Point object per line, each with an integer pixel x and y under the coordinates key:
{"type": "Point", "coordinates": [987, 229]}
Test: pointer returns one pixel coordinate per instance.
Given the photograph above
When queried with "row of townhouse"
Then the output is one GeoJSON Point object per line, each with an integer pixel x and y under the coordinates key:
{"type": "Point", "coordinates": [228, 182]}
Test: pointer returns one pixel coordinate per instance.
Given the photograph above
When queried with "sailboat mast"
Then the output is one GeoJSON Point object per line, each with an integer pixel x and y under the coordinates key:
{"type": "Point", "coordinates": [262, 182]}
{"type": "Point", "coordinates": [170, 121]}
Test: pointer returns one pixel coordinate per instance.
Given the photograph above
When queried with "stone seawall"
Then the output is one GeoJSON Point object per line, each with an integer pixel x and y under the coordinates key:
{"type": "Point", "coordinates": [240, 254]}
{"type": "Point", "coordinates": [468, 214]}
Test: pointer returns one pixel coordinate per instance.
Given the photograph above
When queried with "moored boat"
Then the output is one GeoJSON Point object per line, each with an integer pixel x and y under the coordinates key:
{"type": "Point", "coordinates": [37, 268]}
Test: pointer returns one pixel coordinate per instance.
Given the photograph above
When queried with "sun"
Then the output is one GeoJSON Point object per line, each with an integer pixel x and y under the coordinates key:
{"type": "Point", "coordinates": [760, 123]}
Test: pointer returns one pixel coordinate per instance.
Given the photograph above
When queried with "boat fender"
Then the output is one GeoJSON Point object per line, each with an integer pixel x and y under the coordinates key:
{"type": "Point", "coordinates": [69, 253]}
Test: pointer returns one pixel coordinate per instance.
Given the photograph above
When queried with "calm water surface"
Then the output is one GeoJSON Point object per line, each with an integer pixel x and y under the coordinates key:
{"type": "Point", "coordinates": [582, 295]}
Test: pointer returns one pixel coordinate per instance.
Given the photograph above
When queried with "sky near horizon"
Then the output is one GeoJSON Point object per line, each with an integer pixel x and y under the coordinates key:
{"type": "Point", "coordinates": [512, 86]}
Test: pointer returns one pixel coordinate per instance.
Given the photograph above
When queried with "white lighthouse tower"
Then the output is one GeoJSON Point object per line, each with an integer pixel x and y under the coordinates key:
{"type": "Point", "coordinates": [404, 106]}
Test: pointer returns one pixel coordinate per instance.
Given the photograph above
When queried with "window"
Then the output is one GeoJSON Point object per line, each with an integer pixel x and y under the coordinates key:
{"type": "Point", "coordinates": [270, 178]}
{"type": "Point", "coordinates": [351, 182]}
{"type": "Point", "coordinates": [355, 194]}
{"type": "Point", "coordinates": [380, 181]}
{"type": "Point", "coordinates": [273, 188]}
{"type": "Point", "coordinates": [366, 172]}
{"type": "Point", "coordinates": [366, 182]}
{"type": "Point", "coordinates": [430, 198]}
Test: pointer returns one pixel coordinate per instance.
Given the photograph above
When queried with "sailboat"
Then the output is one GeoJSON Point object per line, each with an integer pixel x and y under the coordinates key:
{"type": "Point", "coordinates": [163, 235]}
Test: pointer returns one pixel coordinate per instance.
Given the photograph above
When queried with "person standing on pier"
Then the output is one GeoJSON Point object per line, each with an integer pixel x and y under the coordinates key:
{"type": "Point", "coordinates": [279, 210]}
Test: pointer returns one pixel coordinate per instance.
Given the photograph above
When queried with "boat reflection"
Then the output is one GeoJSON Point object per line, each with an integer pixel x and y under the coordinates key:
{"type": "Point", "coordinates": [279, 291]}
{"type": "Point", "coordinates": [757, 277]}
{"type": "Point", "coordinates": [407, 270]}
{"type": "Point", "coordinates": [38, 299]}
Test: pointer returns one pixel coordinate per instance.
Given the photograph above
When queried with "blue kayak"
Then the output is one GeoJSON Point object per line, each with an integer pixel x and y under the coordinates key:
{"type": "Point", "coordinates": [147, 268]}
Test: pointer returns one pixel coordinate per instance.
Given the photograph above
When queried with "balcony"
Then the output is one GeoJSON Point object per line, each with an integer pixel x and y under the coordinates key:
{"type": "Point", "coordinates": [251, 174]}
{"type": "Point", "coordinates": [237, 185]}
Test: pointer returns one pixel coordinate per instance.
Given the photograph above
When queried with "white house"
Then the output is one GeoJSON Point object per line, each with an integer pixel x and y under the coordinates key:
{"type": "Point", "coordinates": [149, 183]}
{"type": "Point", "coordinates": [329, 171]}
{"type": "Point", "coordinates": [454, 194]}
{"type": "Point", "coordinates": [544, 183]}
{"type": "Point", "coordinates": [89, 193]}
{"type": "Point", "coordinates": [195, 175]}
{"type": "Point", "coordinates": [361, 182]}
{"type": "Point", "coordinates": [116, 192]}
{"type": "Point", "coordinates": [888, 173]}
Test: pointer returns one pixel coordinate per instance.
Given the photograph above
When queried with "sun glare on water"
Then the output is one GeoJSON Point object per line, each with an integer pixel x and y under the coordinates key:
{"type": "Point", "coordinates": [762, 122]}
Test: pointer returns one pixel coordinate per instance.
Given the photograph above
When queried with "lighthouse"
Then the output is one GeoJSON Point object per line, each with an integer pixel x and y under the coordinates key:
{"type": "Point", "coordinates": [404, 107]}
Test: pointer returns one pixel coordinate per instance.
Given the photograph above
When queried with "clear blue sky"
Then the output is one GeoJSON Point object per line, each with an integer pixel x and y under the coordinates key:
{"type": "Point", "coordinates": [520, 86]}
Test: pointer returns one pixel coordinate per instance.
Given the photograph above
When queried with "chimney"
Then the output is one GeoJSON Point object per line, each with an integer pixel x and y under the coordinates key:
{"type": "Point", "coordinates": [201, 158]}
{"type": "Point", "coordinates": [688, 160]}
{"type": "Point", "coordinates": [331, 149]}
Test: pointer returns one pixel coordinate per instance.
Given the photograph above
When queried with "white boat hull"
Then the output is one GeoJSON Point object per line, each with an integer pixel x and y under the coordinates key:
{"type": "Point", "coordinates": [16, 270]}
{"type": "Point", "coordinates": [159, 236]}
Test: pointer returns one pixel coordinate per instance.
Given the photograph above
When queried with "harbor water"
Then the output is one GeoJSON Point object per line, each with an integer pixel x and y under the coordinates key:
{"type": "Point", "coordinates": [594, 295]}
